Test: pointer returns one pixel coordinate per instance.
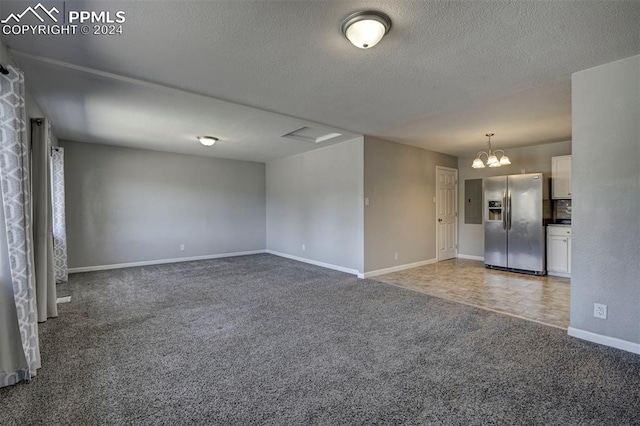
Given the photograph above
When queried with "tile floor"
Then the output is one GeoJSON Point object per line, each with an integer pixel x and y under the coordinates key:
{"type": "Point", "coordinates": [542, 299]}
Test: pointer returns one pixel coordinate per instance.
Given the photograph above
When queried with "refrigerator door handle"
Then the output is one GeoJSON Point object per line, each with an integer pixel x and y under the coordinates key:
{"type": "Point", "coordinates": [509, 211]}
{"type": "Point", "coordinates": [504, 213]}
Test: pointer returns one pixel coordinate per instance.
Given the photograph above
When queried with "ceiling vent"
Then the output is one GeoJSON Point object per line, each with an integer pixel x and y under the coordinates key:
{"type": "Point", "coordinates": [312, 134]}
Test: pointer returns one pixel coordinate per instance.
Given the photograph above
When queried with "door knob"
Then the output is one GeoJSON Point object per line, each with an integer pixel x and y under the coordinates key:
{"type": "Point", "coordinates": [439, 219]}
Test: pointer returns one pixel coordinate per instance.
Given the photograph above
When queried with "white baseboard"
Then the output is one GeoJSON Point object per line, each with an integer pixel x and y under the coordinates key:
{"type": "Point", "coordinates": [470, 257]}
{"type": "Point", "coordinates": [161, 261]}
{"type": "Point", "coordinates": [396, 268]}
{"type": "Point", "coordinates": [314, 262]}
{"type": "Point", "coordinates": [604, 340]}
{"type": "Point", "coordinates": [559, 274]}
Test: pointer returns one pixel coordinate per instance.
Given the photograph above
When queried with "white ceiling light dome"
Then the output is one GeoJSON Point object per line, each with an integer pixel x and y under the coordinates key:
{"type": "Point", "coordinates": [365, 29]}
{"type": "Point", "coordinates": [207, 140]}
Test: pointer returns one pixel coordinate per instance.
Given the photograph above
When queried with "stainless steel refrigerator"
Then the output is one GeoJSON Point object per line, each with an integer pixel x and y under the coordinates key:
{"type": "Point", "coordinates": [514, 223]}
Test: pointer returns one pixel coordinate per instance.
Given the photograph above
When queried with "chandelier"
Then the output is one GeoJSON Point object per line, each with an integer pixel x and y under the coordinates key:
{"type": "Point", "coordinates": [492, 159]}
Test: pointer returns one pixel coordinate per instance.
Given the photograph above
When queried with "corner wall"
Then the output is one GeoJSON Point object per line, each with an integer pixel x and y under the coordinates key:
{"type": "Point", "coordinates": [315, 199]}
{"type": "Point", "coordinates": [128, 205]}
{"type": "Point", "coordinates": [400, 183]}
{"type": "Point", "coordinates": [533, 159]}
{"type": "Point", "coordinates": [606, 203]}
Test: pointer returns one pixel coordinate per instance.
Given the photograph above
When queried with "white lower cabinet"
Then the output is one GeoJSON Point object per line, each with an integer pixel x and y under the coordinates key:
{"type": "Point", "coordinates": [559, 251]}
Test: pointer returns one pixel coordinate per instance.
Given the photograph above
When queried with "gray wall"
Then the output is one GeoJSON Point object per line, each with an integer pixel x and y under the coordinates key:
{"type": "Point", "coordinates": [316, 199]}
{"type": "Point", "coordinates": [533, 159]}
{"type": "Point", "coordinates": [128, 205]}
{"type": "Point", "coordinates": [606, 198]}
{"type": "Point", "coordinates": [399, 181]}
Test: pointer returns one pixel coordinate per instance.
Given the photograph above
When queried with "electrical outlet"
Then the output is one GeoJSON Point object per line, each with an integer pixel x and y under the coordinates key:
{"type": "Point", "coordinates": [395, 255]}
{"type": "Point", "coordinates": [366, 201]}
{"type": "Point", "coordinates": [600, 310]}
{"type": "Point", "coordinates": [181, 247]}
{"type": "Point", "coordinates": [304, 247]}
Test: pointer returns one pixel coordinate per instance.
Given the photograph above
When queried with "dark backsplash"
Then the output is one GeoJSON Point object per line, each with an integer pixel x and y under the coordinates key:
{"type": "Point", "coordinates": [562, 211]}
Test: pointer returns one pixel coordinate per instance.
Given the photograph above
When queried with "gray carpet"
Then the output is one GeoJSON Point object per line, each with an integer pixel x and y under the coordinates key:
{"type": "Point", "coordinates": [266, 340]}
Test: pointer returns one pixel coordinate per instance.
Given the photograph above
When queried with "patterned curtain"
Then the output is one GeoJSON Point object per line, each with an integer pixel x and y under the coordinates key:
{"type": "Point", "coordinates": [59, 226]}
{"type": "Point", "coordinates": [16, 197]}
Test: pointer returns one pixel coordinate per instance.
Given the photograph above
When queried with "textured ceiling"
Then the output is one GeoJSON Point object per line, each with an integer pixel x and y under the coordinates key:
{"type": "Point", "coordinates": [447, 73]}
{"type": "Point", "coordinates": [90, 106]}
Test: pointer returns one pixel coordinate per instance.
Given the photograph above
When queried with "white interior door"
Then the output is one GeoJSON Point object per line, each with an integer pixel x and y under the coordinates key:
{"type": "Point", "coordinates": [446, 213]}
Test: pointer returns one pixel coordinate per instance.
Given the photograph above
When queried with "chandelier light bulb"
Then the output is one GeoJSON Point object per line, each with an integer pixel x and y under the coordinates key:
{"type": "Point", "coordinates": [478, 164]}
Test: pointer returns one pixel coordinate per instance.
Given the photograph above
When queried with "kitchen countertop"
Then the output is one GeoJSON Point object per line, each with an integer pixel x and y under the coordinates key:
{"type": "Point", "coordinates": [567, 225]}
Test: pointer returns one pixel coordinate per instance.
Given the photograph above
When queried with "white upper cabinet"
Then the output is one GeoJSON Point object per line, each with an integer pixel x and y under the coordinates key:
{"type": "Point", "coordinates": [561, 177]}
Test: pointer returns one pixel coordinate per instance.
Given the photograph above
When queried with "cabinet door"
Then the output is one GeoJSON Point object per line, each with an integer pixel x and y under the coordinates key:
{"type": "Point", "coordinates": [558, 254]}
{"type": "Point", "coordinates": [561, 177]}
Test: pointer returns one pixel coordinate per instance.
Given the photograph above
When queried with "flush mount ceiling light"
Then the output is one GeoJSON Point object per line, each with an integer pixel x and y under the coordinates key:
{"type": "Point", "coordinates": [492, 159]}
{"type": "Point", "coordinates": [365, 29]}
{"type": "Point", "coordinates": [207, 140]}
